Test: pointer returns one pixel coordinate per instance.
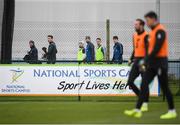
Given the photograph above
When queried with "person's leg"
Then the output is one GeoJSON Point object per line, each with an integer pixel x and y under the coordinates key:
{"type": "Point", "coordinates": [163, 80]}
{"type": "Point", "coordinates": [134, 73]}
{"type": "Point", "coordinates": [146, 99]}
{"type": "Point", "coordinates": [146, 80]}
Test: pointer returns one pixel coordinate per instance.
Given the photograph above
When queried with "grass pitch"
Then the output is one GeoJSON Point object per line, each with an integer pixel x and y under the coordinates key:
{"type": "Point", "coordinates": [90, 110]}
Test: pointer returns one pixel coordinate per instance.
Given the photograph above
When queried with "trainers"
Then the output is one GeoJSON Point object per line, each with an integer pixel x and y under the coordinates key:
{"type": "Point", "coordinates": [169, 115]}
{"type": "Point", "coordinates": [144, 107]}
{"type": "Point", "coordinates": [133, 113]}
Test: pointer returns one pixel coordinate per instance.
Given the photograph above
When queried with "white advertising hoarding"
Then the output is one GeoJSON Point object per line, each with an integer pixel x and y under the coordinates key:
{"type": "Point", "coordinates": [68, 80]}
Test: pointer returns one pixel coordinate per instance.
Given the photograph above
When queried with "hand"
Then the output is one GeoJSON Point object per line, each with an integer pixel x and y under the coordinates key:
{"type": "Point", "coordinates": [142, 66]}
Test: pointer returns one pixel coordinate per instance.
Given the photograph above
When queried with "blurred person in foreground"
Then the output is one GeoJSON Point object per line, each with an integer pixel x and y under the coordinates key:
{"type": "Point", "coordinates": [155, 64]}
{"type": "Point", "coordinates": [140, 46]}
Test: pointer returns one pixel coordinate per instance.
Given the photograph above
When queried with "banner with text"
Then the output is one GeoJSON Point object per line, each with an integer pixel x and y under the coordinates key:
{"type": "Point", "coordinates": [86, 80]}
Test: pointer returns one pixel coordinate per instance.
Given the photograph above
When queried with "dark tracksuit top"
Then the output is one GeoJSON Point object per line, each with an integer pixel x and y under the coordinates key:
{"type": "Point", "coordinates": [117, 53]}
{"type": "Point", "coordinates": [51, 54]}
{"type": "Point", "coordinates": [90, 52]}
{"type": "Point", "coordinates": [33, 55]}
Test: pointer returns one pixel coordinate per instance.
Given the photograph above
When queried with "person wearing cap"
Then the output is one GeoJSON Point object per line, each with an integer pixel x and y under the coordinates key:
{"type": "Point", "coordinates": [81, 52]}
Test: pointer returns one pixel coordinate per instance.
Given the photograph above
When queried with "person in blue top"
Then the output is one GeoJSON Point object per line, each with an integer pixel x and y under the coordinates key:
{"type": "Point", "coordinates": [118, 51]}
{"type": "Point", "coordinates": [90, 53]}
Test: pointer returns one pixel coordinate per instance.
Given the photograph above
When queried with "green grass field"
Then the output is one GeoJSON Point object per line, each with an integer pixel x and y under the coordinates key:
{"type": "Point", "coordinates": [104, 110]}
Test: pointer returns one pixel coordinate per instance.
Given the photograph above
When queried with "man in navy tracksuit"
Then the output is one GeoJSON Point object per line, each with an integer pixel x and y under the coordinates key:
{"type": "Point", "coordinates": [90, 53]}
{"type": "Point", "coordinates": [32, 56]}
{"type": "Point", "coordinates": [118, 51]}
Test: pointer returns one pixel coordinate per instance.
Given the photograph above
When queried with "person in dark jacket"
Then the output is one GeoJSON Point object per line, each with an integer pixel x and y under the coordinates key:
{"type": "Point", "coordinates": [90, 53]}
{"type": "Point", "coordinates": [32, 56]}
{"type": "Point", "coordinates": [118, 51]}
{"type": "Point", "coordinates": [52, 51]}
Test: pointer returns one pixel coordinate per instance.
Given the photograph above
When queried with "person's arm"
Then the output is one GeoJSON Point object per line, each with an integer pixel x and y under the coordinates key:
{"type": "Point", "coordinates": [113, 58]}
{"type": "Point", "coordinates": [132, 55]}
{"type": "Point", "coordinates": [160, 38]}
{"type": "Point", "coordinates": [121, 49]}
{"type": "Point", "coordinates": [118, 54]}
{"type": "Point", "coordinates": [113, 54]}
{"type": "Point", "coordinates": [84, 54]}
{"type": "Point", "coordinates": [50, 49]}
{"type": "Point", "coordinates": [130, 61]}
{"type": "Point", "coordinates": [93, 52]}
{"type": "Point", "coordinates": [32, 54]}
{"type": "Point", "coordinates": [56, 51]}
{"type": "Point", "coordinates": [146, 42]}
{"type": "Point", "coordinates": [102, 50]}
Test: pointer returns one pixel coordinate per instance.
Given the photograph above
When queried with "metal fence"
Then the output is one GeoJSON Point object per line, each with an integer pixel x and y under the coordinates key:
{"type": "Point", "coordinates": [174, 76]}
{"type": "Point", "coordinates": [67, 34]}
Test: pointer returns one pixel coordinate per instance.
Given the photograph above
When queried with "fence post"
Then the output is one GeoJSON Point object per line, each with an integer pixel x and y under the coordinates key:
{"type": "Point", "coordinates": [79, 97]}
{"type": "Point", "coordinates": [178, 92]}
{"type": "Point", "coordinates": [107, 39]}
{"type": "Point", "coordinates": [158, 3]}
{"type": "Point", "coordinates": [158, 8]}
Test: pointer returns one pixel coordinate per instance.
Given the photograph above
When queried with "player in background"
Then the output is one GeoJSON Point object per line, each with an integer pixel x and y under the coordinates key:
{"type": "Point", "coordinates": [140, 45]}
{"type": "Point", "coordinates": [99, 51]}
{"type": "Point", "coordinates": [52, 51]}
{"type": "Point", "coordinates": [155, 63]}
{"type": "Point", "coordinates": [117, 51]}
{"type": "Point", "coordinates": [90, 53]}
{"type": "Point", "coordinates": [81, 55]}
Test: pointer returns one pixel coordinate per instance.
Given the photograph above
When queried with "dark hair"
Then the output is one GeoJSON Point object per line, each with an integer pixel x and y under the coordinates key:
{"type": "Point", "coordinates": [98, 39]}
{"type": "Point", "coordinates": [142, 23]}
{"type": "Point", "coordinates": [115, 37]}
{"type": "Point", "coordinates": [44, 48]}
{"type": "Point", "coordinates": [151, 14]}
{"type": "Point", "coordinates": [31, 41]}
{"type": "Point", "coordinates": [50, 36]}
{"type": "Point", "coordinates": [87, 37]}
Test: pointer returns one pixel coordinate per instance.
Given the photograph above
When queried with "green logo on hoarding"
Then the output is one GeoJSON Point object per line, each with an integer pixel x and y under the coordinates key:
{"type": "Point", "coordinates": [16, 74]}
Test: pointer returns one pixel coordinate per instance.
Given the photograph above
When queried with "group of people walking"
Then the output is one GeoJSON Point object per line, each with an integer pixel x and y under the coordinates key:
{"type": "Point", "coordinates": [90, 54]}
{"type": "Point", "coordinates": [86, 54]}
